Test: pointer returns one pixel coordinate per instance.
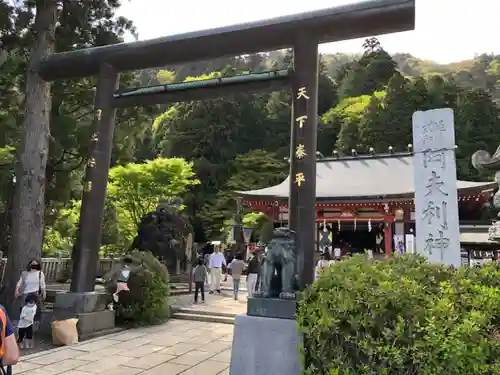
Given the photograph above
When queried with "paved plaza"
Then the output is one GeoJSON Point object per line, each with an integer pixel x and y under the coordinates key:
{"type": "Point", "coordinates": [223, 303]}
{"type": "Point", "coordinates": [190, 348]}
{"type": "Point", "coordinates": [176, 347]}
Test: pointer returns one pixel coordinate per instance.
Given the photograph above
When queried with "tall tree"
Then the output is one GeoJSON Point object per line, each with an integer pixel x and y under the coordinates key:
{"type": "Point", "coordinates": [253, 170]}
{"type": "Point", "coordinates": [477, 121]}
{"type": "Point", "coordinates": [372, 127]}
{"type": "Point", "coordinates": [29, 202]}
{"type": "Point", "coordinates": [398, 111]}
{"type": "Point", "coordinates": [370, 73]}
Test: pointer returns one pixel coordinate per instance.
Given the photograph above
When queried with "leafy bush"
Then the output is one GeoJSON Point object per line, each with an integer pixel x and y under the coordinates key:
{"type": "Point", "coordinates": [403, 316]}
{"type": "Point", "coordinates": [147, 301]}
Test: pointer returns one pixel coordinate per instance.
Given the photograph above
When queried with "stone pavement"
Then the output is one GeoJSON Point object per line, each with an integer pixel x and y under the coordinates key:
{"type": "Point", "coordinates": [214, 303]}
{"type": "Point", "coordinates": [176, 347]}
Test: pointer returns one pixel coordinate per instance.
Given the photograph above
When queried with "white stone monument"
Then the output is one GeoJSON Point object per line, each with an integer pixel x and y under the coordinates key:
{"type": "Point", "coordinates": [436, 204]}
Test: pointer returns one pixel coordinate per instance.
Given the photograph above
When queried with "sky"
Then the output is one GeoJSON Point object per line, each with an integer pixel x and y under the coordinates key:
{"type": "Point", "coordinates": [446, 30]}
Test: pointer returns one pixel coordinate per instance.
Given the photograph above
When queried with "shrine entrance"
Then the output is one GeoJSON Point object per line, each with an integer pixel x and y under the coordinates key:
{"type": "Point", "coordinates": [356, 236]}
{"type": "Point", "coordinates": [300, 32]}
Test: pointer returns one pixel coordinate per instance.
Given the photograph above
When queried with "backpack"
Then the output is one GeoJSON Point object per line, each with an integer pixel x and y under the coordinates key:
{"type": "Point", "coordinates": [3, 322]}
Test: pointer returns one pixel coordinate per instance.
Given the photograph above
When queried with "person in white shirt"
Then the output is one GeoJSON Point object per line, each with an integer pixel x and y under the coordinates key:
{"type": "Point", "coordinates": [26, 320]}
{"type": "Point", "coordinates": [32, 281]}
{"type": "Point", "coordinates": [217, 260]}
{"type": "Point", "coordinates": [323, 263]}
{"type": "Point", "coordinates": [337, 253]}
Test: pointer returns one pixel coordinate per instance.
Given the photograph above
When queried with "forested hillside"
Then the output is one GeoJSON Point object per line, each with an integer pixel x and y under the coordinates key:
{"type": "Point", "coordinates": [238, 142]}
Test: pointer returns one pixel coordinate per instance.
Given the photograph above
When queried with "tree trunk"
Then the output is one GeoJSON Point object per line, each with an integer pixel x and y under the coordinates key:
{"type": "Point", "coordinates": [29, 205]}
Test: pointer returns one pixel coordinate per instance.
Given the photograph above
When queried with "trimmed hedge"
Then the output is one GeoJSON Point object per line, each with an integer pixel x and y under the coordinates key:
{"type": "Point", "coordinates": [403, 316]}
{"type": "Point", "coordinates": [148, 300]}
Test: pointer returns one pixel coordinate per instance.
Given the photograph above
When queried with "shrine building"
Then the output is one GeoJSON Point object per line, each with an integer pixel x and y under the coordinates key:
{"type": "Point", "coordinates": [367, 202]}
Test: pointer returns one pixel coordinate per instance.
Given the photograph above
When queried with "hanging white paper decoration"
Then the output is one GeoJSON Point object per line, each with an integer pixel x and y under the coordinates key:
{"type": "Point", "coordinates": [369, 225]}
{"type": "Point", "coordinates": [355, 224]}
{"type": "Point", "coordinates": [338, 221]}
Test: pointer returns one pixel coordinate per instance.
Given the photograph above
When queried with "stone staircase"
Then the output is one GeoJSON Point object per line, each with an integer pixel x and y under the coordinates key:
{"type": "Point", "coordinates": [202, 316]}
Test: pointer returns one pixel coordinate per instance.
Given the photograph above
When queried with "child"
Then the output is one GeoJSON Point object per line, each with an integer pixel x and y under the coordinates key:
{"type": "Point", "coordinates": [122, 280]}
{"type": "Point", "coordinates": [200, 276]}
{"type": "Point", "coordinates": [25, 325]}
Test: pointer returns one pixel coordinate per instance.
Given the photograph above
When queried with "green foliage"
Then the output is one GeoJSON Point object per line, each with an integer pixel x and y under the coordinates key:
{"type": "Point", "coordinates": [254, 170]}
{"type": "Point", "coordinates": [261, 224]}
{"type": "Point", "coordinates": [165, 76]}
{"type": "Point", "coordinates": [147, 302]}
{"type": "Point", "coordinates": [402, 316]}
{"type": "Point", "coordinates": [214, 134]}
{"type": "Point", "coordinates": [136, 189]}
{"type": "Point", "coordinates": [6, 155]}
{"type": "Point", "coordinates": [55, 245]}
{"type": "Point", "coordinates": [133, 191]}
{"type": "Point", "coordinates": [370, 73]}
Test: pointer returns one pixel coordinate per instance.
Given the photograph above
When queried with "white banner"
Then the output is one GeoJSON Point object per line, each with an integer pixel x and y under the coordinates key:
{"type": "Point", "coordinates": [410, 243]}
{"type": "Point", "coordinates": [247, 234]}
{"type": "Point", "coordinates": [435, 178]}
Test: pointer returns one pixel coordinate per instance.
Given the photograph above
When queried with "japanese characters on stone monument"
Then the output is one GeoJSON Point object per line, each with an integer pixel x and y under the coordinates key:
{"type": "Point", "coordinates": [436, 205]}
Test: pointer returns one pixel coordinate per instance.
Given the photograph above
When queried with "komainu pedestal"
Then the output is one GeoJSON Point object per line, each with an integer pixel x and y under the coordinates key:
{"type": "Point", "coordinates": [265, 340]}
{"type": "Point", "coordinates": [265, 346]}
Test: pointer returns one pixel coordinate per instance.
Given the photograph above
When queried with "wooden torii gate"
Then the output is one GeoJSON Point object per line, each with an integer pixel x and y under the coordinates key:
{"type": "Point", "coordinates": [302, 32]}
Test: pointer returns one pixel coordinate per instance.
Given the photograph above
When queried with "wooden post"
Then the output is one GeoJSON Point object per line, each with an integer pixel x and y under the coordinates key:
{"type": "Point", "coordinates": [86, 250]}
{"type": "Point", "coordinates": [388, 239]}
{"type": "Point", "coordinates": [302, 200]}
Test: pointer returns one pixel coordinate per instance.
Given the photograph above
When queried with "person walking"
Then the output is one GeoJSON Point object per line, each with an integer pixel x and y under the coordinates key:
{"type": "Point", "coordinates": [200, 276]}
{"type": "Point", "coordinates": [206, 262]}
{"type": "Point", "coordinates": [253, 273]}
{"type": "Point", "coordinates": [26, 321]}
{"type": "Point", "coordinates": [32, 281]}
{"type": "Point", "coordinates": [237, 267]}
{"type": "Point", "coordinates": [217, 261]}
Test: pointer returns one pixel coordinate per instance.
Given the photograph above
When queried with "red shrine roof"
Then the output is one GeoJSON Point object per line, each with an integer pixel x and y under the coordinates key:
{"type": "Point", "coordinates": [365, 176]}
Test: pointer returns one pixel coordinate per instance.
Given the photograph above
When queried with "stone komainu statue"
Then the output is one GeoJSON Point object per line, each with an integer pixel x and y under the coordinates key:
{"type": "Point", "coordinates": [161, 232]}
{"type": "Point", "coordinates": [484, 161]}
{"type": "Point", "coordinates": [280, 258]}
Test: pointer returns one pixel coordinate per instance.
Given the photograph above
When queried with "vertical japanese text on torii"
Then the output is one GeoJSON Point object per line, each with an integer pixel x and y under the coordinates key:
{"type": "Point", "coordinates": [300, 150]}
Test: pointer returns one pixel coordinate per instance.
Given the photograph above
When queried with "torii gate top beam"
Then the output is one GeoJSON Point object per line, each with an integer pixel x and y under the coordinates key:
{"type": "Point", "coordinates": [327, 25]}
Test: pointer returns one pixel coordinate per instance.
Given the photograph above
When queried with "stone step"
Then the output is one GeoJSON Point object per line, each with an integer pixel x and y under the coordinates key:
{"type": "Point", "coordinates": [51, 294]}
{"type": "Point", "coordinates": [203, 318]}
{"type": "Point", "coordinates": [185, 310]}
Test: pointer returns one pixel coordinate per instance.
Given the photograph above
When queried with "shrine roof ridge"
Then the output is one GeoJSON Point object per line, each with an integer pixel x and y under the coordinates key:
{"type": "Point", "coordinates": [363, 156]}
{"type": "Point", "coordinates": [363, 176]}
{"type": "Point", "coordinates": [345, 22]}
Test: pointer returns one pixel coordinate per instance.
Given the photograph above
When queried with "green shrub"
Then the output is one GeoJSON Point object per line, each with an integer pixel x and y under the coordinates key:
{"type": "Point", "coordinates": [401, 317]}
{"type": "Point", "coordinates": [147, 301]}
